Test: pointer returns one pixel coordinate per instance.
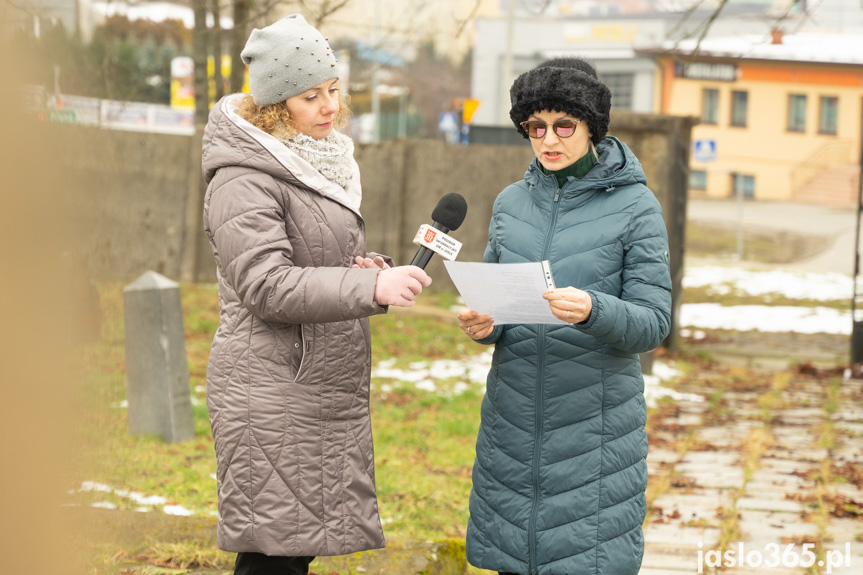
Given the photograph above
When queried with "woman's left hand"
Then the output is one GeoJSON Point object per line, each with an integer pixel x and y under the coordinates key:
{"type": "Point", "coordinates": [570, 304]}
{"type": "Point", "coordinates": [370, 264]}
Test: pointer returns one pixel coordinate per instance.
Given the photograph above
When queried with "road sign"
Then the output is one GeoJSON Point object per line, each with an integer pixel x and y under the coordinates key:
{"type": "Point", "coordinates": [704, 151]}
{"type": "Point", "coordinates": [448, 123]}
{"type": "Point", "coordinates": [470, 106]}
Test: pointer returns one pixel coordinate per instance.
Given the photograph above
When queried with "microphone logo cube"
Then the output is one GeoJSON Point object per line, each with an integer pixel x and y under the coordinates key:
{"type": "Point", "coordinates": [437, 241]}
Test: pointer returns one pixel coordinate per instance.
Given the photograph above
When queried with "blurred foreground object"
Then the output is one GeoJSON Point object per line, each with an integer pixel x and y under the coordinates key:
{"type": "Point", "coordinates": [35, 414]}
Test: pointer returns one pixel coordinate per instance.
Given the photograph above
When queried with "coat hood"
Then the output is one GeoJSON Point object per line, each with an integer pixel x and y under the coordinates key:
{"type": "Point", "coordinates": [617, 167]}
{"type": "Point", "coordinates": [229, 140]}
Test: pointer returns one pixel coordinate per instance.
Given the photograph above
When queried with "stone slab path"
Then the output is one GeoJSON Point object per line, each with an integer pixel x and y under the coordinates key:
{"type": "Point", "coordinates": [775, 471]}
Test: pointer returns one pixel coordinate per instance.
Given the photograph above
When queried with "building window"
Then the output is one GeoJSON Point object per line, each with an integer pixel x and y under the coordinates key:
{"type": "Point", "coordinates": [621, 86]}
{"type": "Point", "coordinates": [697, 180]}
{"type": "Point", "coordinates": [828, 117]}
{"type": "Point", "coordinates": [741, 183]}
{"type": "Point", "coordinates": [710, 106]}
{"type": "Point", "coordinates": [797, 113]}
{"type": "Point", "coordinates": [739, 108]}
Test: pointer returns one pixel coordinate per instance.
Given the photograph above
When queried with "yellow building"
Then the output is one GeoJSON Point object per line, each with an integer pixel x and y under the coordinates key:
{"type": "Point", "coordinates": [781, 117]}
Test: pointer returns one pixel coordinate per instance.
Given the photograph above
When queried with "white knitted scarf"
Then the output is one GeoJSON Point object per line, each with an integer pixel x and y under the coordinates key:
{"type": "Point", "coordinates": [331, 156]}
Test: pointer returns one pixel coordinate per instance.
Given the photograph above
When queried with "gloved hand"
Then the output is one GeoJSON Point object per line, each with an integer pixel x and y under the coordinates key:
{"type": "Point", "coordinates": [368, 263]}
{"type": "Point", "coordinates": [400, 285]}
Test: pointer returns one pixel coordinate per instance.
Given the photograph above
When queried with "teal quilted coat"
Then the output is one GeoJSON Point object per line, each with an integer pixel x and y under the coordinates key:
{"type": "Point", "coordinates": [560, 471]}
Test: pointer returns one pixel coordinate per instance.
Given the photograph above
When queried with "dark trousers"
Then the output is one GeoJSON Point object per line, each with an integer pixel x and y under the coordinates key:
{"type": "Point", "coordinates": [260, 564]}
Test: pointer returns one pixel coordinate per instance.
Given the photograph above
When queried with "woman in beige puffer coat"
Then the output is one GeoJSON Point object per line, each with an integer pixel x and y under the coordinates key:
{"type": "Point", "coordinates": [289, 369]}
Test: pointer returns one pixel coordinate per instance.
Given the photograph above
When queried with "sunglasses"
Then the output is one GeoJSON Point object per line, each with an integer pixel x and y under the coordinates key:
{"type": "Point", "coordinates": [563, 128]}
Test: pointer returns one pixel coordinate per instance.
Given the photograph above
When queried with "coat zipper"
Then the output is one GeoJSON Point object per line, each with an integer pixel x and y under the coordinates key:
{"type": "Point", "coordinates": [534, 568]}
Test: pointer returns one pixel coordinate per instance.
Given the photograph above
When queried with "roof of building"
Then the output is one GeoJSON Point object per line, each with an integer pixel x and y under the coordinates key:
{"type": "Point", "coordinates": [804, 47]}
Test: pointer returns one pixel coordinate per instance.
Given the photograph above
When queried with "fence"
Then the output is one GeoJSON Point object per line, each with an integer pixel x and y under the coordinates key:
{"type": "Point", "coordinates": [141, 200]}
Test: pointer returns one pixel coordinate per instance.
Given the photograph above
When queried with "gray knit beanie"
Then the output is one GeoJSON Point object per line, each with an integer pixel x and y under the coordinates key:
{"type": "Point", "coordinates": [567, 85]}
{"type": "Point", "coordinates": [287, 58]}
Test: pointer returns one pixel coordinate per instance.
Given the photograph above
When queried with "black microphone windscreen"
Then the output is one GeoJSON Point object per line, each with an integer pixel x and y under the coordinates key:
{"type": "Point", "coordinates": [450, 211]}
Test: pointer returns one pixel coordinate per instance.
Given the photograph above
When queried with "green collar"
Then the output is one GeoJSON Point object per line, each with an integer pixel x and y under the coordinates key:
{"type": "Point", "coordinates": [578, 169]}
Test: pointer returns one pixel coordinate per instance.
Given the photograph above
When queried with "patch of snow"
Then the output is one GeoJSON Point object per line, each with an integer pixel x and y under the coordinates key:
{"type": "Point", "coordinates": [766, 318]}
{"type": "Point", "coordinates": [424, 374]}
{"type": "Point", "coordinates": [653, 389]}
{"type": "Point", "coordinates": [793, 285]}
{"type": "Point", "coordinates": [177, 510]}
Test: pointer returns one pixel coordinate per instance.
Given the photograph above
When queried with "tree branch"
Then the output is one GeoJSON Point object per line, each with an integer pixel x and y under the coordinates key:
{"type": "Point", "coordinates": [686, 15]}
{"type": "Point", "coordinates": [463, 23]}
{"type": "Point", "coordinates": [707, 26]}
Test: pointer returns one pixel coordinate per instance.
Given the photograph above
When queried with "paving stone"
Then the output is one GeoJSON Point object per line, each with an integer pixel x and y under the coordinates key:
{"type": "Point", "coordinates": [749, 412]}
{"type": "Point", "coordinates": [801, 413]}
{"type": "Point", "coordinates": [802, 396]}
{"type": "Point", "coordinates": [769, 480]}
{"type": "Point", "coordinates": [711, 458]}
{"type": "Point", "coordinates": [677, 534]}
{"type": "Point", "coordinates": [763, 527]}
{"type": "Point", "coordinates": [774, 493]}
{"type": "Point", "coordinates": [673, 557]}
{"type": "Point", "coordinates": [843, 530]}
{"type": "Point", "coordinates": [712, 468]}
{"type": "Point", "coordinates": [848, 491]}
{"type": "Point", "coordinates": [731, 478]}
{"type": "Point", "coordinates": [663, 571]}
{"type": "Point", "coordinates": [785, 466]}
{"type": "Point", "coordinates": [686, 420]}
{"type": "Point", "coordinates": [770, 570]}
{"type": "Point", "coordinates": [719, 436]}
{"type": "Point", "coordinates": [660, 455]}
{"type": "Point", "coordinates": [851, 453]}
{"type": "Point", "coordinates": [798, 434]}
{"type": "Point", "coordinates": [740, 397]}
{"type": "Point", "coordinates": [693, 507]}
{"type": "Point", "coordinates": [753, 503]}
{"type": "Point", "coordinates": [848, 412]}
{"type": "Point", "coordinates": [851, 557]}
{"type": "Point", "coordinates": [692, 407]}
{"type": "Point", "coordinates": [850, 428]}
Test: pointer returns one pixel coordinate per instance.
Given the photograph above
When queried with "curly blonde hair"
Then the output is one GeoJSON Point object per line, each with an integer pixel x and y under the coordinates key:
{"type": "Point", "coordinates": [274, 118]}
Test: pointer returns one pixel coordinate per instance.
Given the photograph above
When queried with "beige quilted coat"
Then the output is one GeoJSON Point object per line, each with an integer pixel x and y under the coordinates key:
{"type": "Point", "coordinates": [288, 376]}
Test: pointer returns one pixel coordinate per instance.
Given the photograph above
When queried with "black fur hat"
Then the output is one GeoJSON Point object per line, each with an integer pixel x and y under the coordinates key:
{"type": "Point", "coordinates": [568, 85]}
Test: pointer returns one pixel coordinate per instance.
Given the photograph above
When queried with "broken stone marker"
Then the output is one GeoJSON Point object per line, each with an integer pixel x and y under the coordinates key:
{"type": "Point", "coordinates": [157, 373]}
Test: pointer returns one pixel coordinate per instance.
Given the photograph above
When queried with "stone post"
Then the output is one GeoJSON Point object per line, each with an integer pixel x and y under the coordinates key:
{"type": "Point", "coordinates": [157, 373]}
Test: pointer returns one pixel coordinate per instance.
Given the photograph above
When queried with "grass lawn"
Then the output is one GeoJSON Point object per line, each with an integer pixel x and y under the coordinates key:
{"type": "Point", "coordinates": [424, 441]}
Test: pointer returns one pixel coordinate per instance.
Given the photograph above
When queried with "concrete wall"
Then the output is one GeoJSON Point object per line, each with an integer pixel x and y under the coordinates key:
{"type": "Point", "coordinates": [141, 209]}
{"type": "Point", "coordinates": [131, 191]}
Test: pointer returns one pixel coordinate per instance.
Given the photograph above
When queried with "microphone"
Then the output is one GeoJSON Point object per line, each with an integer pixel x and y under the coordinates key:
{"type": "Point", "coordinates": [447, 216]}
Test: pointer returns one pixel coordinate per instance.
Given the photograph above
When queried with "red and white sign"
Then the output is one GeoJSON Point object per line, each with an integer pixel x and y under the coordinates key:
{"type": "Point", "coordinates": [437, 241]}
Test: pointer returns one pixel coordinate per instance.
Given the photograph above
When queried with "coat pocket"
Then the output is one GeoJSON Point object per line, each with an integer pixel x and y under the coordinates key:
{"type": "Point", "coordinates": [299, 352]}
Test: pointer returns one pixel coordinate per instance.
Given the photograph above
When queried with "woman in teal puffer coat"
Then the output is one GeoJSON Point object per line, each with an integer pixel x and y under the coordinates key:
{"type": "Point", "coordinates": [560, 471]}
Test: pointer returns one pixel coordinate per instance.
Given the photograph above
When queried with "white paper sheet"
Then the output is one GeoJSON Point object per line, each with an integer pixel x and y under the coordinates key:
{"type": "Point", "coordinates": [510, 293]}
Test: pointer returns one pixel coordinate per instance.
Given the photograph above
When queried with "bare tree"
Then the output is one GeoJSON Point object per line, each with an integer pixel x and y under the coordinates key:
{"type": "Point", "coordinates": [704, 28]}
{"type": "Point", "coordinates": [242, 10]}
{"type": "Point", "coordinates": [216, 37]}
{"type": "Point", "coordinates": [199, 56]}
{"type": "Point", "coordinates": [246, 12]}
{"type": "Point", "coordinates": [462, 24]}
{"type": "Point", "coordinates": [320, 10]}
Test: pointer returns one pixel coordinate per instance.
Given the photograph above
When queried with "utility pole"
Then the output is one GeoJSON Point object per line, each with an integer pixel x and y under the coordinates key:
{"type": "Point", "coordinates": [857, 322]}
{"type": "Point", "coordinates": [376, 99]}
